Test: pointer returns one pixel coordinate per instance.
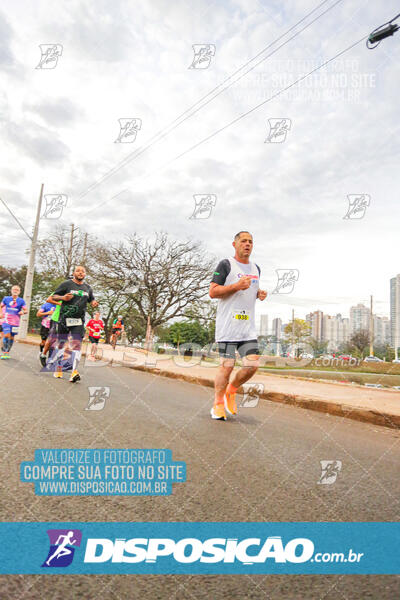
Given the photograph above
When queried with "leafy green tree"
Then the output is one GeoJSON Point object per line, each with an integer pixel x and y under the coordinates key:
{"type": "Point", "coordinates": [267, 343]}
{"type": "Point", "coordinates": [135, 327]}
{"type": "Point", "coordinates": [183, 332]}
{"type": "Point", "coordinates": [10, 276]}
{"type": "Point", "coordinates": [43, 286]}
{"type": "Point", "coordinates": [204, 313]}
{"type": "Point", "coordinates": [318, 347]}
{"type": "Point", "coordinates": [384, 351]}
{"type": "Point", "coordinates": [298, 334]}
{"type": "Point", "coordinates": [389, 353]}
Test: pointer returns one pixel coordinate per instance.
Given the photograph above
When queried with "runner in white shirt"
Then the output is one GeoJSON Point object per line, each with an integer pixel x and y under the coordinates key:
{"type": "Point", "coordinates": [236, 285]}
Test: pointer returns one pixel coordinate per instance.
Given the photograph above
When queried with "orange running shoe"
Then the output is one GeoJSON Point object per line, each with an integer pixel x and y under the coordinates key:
{"type": "Point", "coordinates": [74, 376]}
{"type": "Point", "coordinates": [58, 374]}
{"type": "Point", "coordinates": [230, 402]}
{"type": "Point", "coordinates": [218, 412]}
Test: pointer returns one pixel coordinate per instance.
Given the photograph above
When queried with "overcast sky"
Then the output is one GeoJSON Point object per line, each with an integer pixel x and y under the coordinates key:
{"type": "Point", "coordinates": [131, 60]}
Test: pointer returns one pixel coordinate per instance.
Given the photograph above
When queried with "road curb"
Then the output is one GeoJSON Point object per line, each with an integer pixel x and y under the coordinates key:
{"type": "Point", "coordinates": [333, 408]}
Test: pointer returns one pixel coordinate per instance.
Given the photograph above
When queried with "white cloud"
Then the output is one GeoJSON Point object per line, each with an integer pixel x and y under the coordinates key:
{"type": "Point", "coordinates": [131, 60]}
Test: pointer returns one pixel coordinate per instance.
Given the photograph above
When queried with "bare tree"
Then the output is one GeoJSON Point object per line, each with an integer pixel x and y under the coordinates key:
{"type": "Point", "coordinates": [161, 279]}
{"type": "Point", "coordinates": [64, 249]}
{"type": "Point", "coordinates": [359, 342]}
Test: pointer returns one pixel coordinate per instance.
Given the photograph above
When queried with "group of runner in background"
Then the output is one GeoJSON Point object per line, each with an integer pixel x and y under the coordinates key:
{"type": "Point", "coordinates": [62, 327]}
{"type": "Point", "coordinates": [235, 284]}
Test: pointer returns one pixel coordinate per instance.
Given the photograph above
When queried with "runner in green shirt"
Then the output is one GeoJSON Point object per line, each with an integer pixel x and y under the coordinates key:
{"type": "Point", "coordinates": [51, 338]}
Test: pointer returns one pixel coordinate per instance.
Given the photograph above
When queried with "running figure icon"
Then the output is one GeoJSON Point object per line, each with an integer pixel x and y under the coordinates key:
{"type": "Point", "coordinates": [62, 549]}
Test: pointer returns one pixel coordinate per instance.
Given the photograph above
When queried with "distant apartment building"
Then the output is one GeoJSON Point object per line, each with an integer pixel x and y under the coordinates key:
{"type": "Point", "coordinates": [395, 311]}
{"type": "Point", "coordinates": [316, 321]}
{"type": "Point", "coordinates": [277, 333]}
{"type": "Point", "coordinates": [264, 325]}
{"type": "Point", "coordinates": [388, 334]}
{"type": "Point", "coordinates": [277, 328]}
{"type": "Point", "coordinates": [382, 334]}
{"type": "Point", "coordinates": [336, 330]}
{"type": "Point", "coordinates": [359, 318]}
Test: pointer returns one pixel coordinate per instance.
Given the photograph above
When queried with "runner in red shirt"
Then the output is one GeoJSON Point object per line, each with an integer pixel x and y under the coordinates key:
{"type": "Point", "coordinates": [94, 328]}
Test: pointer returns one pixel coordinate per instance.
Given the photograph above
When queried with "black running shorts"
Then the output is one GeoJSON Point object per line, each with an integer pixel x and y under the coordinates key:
{"type": "Point", "coordinates": [44, 332]}
{"type": "Point", "coordinates": [76, 331]}
{"type": "Point", "coordinates": [246, 348]}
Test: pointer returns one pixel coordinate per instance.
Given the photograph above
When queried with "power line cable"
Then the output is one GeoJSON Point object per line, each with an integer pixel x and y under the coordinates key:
{"type": "Point", "coordinates": [182, 118]}
{"type": "Point", "coordinates": [278, 93]}
{"type": "Point", "coordinates": [264, 102]}
{"type": "Point", "coordinates": [16, 219]}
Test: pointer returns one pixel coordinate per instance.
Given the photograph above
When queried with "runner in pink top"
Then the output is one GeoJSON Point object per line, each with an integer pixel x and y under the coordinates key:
{"type": "Point", "coordinates": [45, 311]}
{"type": "Point", "coordinates": [13, 307]}
{"type": "Point", "coordinates": [2, 316]}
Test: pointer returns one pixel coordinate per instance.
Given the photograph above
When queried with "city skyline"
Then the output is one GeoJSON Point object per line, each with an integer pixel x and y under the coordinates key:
{"type": "Point", "coordinates": [338, 328]}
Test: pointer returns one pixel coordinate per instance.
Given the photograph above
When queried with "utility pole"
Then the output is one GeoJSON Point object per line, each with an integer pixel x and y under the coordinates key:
{"type": "Point", "coordinates": [396, 319]}
{"type": "Point", "coordinates": [23, 328]}
{"type": "Point", "coordinates": [294, 352]}
{"type": "Point", "coordinates": [71, 245]}
{"type": "Point", "coordinates": [371, 330]}
{"type": "Point", "coordinates": [85, 239]}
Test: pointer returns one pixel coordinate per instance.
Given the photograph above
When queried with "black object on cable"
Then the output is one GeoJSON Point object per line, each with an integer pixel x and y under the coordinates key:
{"type": "Point", "coordinates": [382, 32]}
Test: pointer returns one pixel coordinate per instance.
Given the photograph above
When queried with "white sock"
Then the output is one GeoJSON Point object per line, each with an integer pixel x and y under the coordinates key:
{"type": "Point", "coordinates": [57, 354]}
{"type": "Point", "coordinates": [76, 354]}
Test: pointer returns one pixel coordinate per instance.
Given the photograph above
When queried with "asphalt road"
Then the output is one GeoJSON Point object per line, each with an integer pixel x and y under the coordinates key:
{"type": "Point", "coordinates": [262, 466]}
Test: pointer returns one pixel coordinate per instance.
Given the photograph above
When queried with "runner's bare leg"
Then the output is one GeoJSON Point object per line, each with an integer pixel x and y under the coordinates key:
{"type": "Point", "coordinates": [250, 366]}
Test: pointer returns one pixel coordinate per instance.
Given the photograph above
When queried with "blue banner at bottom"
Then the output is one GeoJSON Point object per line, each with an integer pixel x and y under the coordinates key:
{"type": "Point", "coordinates": [199, 548]}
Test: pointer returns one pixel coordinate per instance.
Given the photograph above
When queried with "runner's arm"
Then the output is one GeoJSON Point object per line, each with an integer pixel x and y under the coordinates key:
{"type": "Point", "coordinates": [61, 298]}
{"type": "Point", "coordinates": [61, 292]}
{"type": "Point", "coordinates": [220, 291]}
{"type": "Point", "coordinates": [217, 287]}
{"type": "Point", "coordinates": [23, 310]}
{"type": "Point", "coordinates": [51, 301]}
